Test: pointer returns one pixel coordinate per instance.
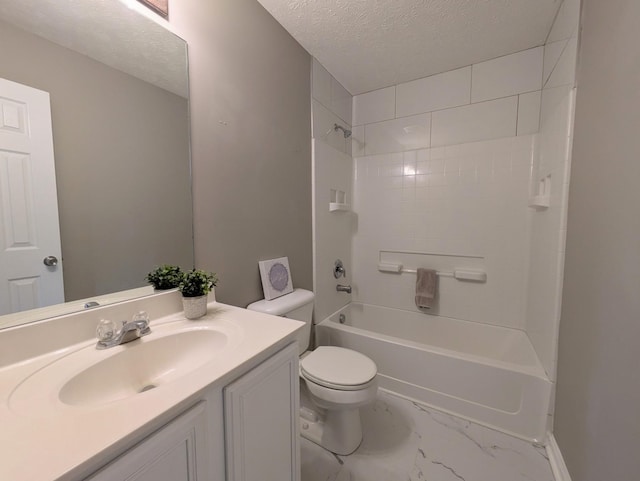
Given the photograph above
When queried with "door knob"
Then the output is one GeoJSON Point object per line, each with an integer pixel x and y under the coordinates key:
{"type": "Point", "coordinates": [50, 261]}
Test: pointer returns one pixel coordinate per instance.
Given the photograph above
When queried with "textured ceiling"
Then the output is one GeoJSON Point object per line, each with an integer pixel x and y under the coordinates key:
{"type": "Point", "coordinates": [110, 32]}
{"type": "Point", "coordinates": [370, 44]}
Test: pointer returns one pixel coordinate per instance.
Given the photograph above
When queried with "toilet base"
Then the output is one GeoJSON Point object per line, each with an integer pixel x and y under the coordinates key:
{"type": "Point", "coordinates": [337, 431]}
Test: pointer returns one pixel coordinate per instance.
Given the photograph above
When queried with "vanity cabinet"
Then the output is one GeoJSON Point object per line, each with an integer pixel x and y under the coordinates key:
{"type": "Point", "coordinates": [245, 431]}
{"type": "Point", "coordinates": [261, 411]}
{"type": "Point", "coordinates": [170, 454]}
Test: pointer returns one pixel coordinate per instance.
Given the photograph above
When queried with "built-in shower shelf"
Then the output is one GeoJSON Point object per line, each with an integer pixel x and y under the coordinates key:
{"type": "Point", "coordinates": [540, 202]}
{"type": "Point", "coordinates": [337, 207]}
{"type": "Point", "coordinates": [543, 198]}
{"type": "Point", "coordinates": [338, 201]}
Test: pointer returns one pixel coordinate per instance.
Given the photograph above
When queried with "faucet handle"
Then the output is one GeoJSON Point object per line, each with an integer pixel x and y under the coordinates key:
{"type": "Point", "coordinates": [339, 270]}
{"type": "Point", "coordinates": [141, 316]}
{"type": "Point", "coordinates": [141, 320]}
{"type": "Point", "coordinates": [106, 330]}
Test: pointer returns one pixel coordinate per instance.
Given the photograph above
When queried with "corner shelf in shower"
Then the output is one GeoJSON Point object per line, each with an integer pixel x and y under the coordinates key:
{"type": "Point", "coordinates": [542, 200]}
{"type": "Point", "coordinates": [338, 207]}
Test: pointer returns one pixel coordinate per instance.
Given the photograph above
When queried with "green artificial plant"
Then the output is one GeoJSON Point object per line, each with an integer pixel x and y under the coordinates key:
{"type": "Point", "coordinates": [197, 283]}
{"type": "Point", "coordinates": [165, 277]}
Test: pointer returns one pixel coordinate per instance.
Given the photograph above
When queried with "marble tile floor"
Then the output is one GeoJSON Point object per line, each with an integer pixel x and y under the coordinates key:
{"type": "Point", "coordinates": [408, 441]}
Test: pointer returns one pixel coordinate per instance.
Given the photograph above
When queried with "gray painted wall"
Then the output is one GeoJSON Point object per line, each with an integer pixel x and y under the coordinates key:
{"type": "Point", "coordinates": [251, 143]}
{"type": "Point", "coordinates": [597, 422]}
{"type": "Point", "coordinates": [121, 151]}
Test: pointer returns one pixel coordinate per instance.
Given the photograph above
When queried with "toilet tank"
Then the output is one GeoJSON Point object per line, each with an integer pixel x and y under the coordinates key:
{"type": "Point", "coordinates": [297, 305]}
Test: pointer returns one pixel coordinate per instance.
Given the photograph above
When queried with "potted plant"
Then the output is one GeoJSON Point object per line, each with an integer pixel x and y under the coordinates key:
{"type": "Point", "coordinates": [165, 277]}
{"type": "Point", "coordinates": [195, 287]}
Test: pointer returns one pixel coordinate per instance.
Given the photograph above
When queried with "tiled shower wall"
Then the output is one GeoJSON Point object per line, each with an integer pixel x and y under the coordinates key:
{"type": "Point", "coordinates": [442, 174]}
{"type": "Point", "coordinates": [494, 99]}
{"type": "Point", "coordinates": [447, 165]}
{"type": "Point", "coordinates": [548, 226]}
{"type": "Point", "coordinates": [332, 172]}
{"type": "Point", "coordinates": [454, 207]}
{"type": "Point", "coordinates": [331, 104]}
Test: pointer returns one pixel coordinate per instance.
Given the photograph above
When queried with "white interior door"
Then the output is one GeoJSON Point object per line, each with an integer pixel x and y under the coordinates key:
{"type": "Point", "coordinates": [29, 229]}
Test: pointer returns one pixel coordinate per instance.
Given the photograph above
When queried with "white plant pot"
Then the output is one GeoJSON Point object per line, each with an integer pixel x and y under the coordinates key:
{"type": "Point", "coordinates": [194, 307]}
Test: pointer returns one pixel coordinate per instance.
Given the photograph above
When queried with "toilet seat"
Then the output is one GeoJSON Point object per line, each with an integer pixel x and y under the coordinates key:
{"type": "Point", "coordinates": [338, 368]}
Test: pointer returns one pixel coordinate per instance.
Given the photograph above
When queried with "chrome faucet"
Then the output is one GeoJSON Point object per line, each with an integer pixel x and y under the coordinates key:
{"type": "Point", "coordinates": [109, 335]}
{"type": "Point", "coordinates": [339, 270]}
{"type": "Point", "coordinates": [341, 288]}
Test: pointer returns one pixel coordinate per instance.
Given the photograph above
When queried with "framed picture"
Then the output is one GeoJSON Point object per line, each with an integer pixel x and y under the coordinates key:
{"type": "Point", "coordinates": [276, 277]}
{"type": "Point", "coordinates": [161, 7]}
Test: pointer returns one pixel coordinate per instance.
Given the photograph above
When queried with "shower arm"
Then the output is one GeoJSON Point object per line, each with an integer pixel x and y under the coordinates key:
{"type": "Point", "coordinates": [336, 127]}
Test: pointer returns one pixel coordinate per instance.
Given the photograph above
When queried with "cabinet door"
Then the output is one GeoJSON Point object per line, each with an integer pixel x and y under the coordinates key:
{"type": "Point", "coordinates": [167, 455]}
{"type": "Point", "coordinates": [261, 421]}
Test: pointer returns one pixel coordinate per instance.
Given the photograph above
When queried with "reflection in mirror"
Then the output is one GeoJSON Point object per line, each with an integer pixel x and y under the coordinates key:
{"type": "Point", "coordinates": [120, 170]}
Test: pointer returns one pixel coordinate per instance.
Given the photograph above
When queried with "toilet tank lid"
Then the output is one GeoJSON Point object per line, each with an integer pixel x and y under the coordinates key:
{"type": "Point", "coordinates": [283, 304]}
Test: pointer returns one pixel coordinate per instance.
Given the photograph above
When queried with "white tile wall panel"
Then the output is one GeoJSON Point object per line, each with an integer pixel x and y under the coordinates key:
{"type": "Point", "coordinates": [548, 226]}
{"type": "Point", "coordinates": [442, 91]}
{"type": "Point", "coordinates": [374, 106]}
{"type": "Point", "coordinates": [564, 72]}
{"type": "Point", "coordinates": [554, 130]}
{"type": "Point", "coordinates": [552, 52]}
{"type": "Point", "coordinates": [349, 147]}
{"type": "Point", "coordinates": [423, 161]}
{"type": "Point", "coordinates": [436, 200]}
{"type": "Point", "coordinates": [332, 231]}
{"type": "Point", "coordinates": [330, 93]}
{"type": "Point", "coordinates": [321, 81]}
{"type": "Point", "coordinates": [529, 112]}
{"type": "Point", "coordinates": [464, 187]}
{"type": "Point", "coordinates": [566, 23]}
{"type": "Point", "coordinates": [509, 75]}
{"type": "Point", "coordinates": [398, 135]}
{"type": "Point", "coordinates": [482, 121]}
{"type": "Point", "coordinates": [323, 122]}
{"type": "Point", "coordinates": [341, 101]}
{"type": "Point", "coordinates": [357, 141]}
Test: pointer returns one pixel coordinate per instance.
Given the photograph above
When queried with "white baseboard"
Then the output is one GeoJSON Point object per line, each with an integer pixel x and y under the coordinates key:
{"type": "Point", "coordinates": [556, 460]}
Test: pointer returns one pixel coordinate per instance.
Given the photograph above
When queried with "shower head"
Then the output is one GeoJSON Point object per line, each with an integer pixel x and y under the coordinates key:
{"type": "Point", "coordinates": [346, 132]}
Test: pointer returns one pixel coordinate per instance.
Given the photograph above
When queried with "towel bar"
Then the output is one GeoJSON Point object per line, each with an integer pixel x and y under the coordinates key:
{"type": "Point", "coordinates": [459, 274]}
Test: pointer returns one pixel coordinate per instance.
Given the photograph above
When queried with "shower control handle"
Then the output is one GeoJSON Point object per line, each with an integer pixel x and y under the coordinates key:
{"type": "Point", "coordinates": [339, 270]}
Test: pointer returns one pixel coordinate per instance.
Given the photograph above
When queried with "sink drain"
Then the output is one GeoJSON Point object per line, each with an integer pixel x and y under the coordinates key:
{"type": "Point", "coordinates": [148, 388]}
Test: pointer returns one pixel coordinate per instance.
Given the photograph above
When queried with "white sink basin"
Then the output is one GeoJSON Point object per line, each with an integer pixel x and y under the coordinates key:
{"type": "Point", "coordinates": [142, 367]}
{"type": "Point", "coordinates": [89, 377]}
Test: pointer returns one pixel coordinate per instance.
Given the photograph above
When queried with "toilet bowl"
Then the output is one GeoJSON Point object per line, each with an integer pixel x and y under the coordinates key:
{"type": "Point", "coordinates": [338, 381]}
{"type": "Point", "coordinates": [334, 381]}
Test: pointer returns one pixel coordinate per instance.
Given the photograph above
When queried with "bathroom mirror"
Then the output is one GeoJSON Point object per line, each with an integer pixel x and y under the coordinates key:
{"type": "Point", "coordinates": [118, 88]}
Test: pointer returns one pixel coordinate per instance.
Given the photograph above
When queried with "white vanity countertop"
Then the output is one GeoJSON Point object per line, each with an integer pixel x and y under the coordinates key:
{"type": "Point", "coordinates": [43, 439]}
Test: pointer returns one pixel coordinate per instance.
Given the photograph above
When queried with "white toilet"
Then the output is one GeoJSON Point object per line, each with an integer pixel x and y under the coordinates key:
{"type": "Point", "coordinates": [334, 381]}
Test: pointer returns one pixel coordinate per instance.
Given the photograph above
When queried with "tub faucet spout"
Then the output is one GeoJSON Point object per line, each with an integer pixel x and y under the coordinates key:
{"type": "Point", "coordinates": [341, 288]}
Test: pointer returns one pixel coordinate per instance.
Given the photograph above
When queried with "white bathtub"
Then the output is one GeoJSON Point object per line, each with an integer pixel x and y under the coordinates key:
{"type": "Point", "coordinates": [484, 373]}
